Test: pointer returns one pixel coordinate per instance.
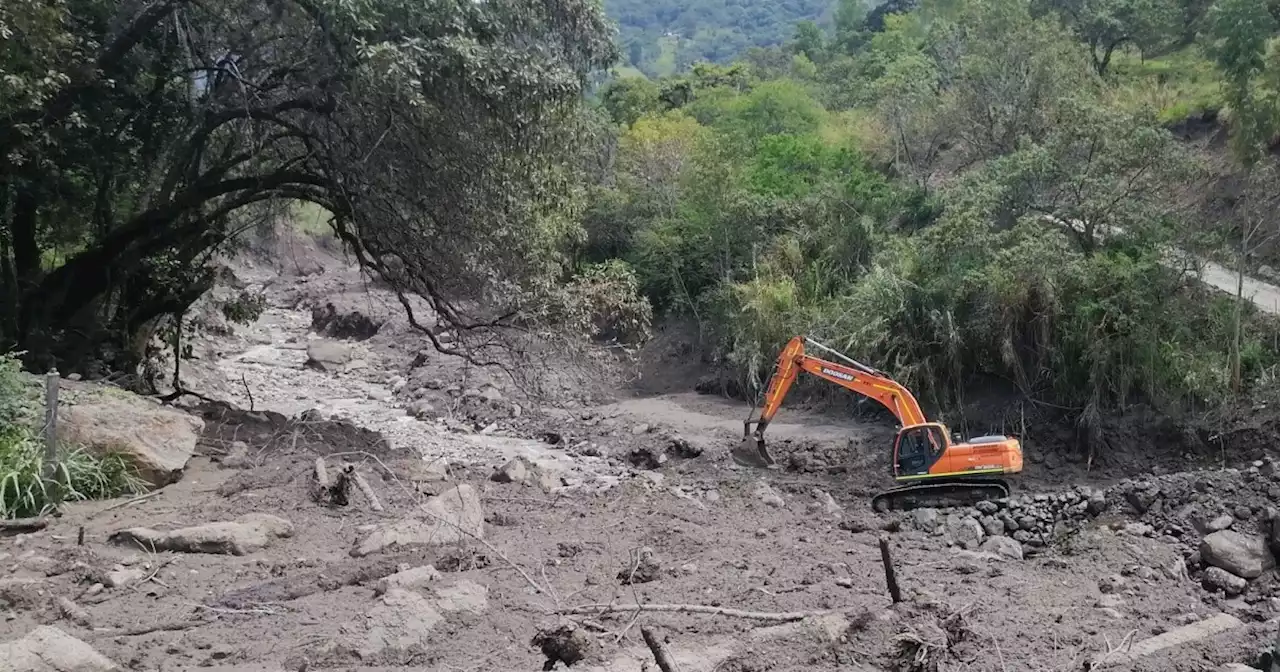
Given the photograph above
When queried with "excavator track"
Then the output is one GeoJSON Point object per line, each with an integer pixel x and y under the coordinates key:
{"type": "Point", "coordinates": [945, 494]}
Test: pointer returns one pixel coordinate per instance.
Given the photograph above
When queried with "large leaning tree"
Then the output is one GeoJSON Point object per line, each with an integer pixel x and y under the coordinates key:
{"type": "Point", "coordinates": [135, 135]}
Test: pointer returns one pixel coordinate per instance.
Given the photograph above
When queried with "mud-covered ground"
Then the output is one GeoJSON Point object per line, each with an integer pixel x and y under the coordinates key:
{"type": "Point", "coordinates": [621, 500]}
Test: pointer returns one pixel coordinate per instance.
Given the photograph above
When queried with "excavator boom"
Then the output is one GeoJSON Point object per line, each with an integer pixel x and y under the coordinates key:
{"type": "Point", "coordinates": [931, 468]}
{"type": "Point", "coordinates": [851, 375]}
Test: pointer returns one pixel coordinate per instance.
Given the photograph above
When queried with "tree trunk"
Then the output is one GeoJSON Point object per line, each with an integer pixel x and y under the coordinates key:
{"type": "Point", "coordinates": [22, 233]}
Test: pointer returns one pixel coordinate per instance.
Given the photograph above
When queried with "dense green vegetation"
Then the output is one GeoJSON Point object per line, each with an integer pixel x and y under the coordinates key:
{"type": "Point", "coordinates": [137, 141]}
{"type": "Point", "coordinates": [660, 37]}
{"type": "Point", "coordinates": [902, 191]}
{"type": "Point", "coordinates": [27, 488]}
{"type": "Point", "coordinates": [950, 189]}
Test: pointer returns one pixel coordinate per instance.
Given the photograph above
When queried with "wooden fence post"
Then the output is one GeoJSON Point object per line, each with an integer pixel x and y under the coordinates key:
{"type": "Point", "coordinates": [890, 576]}
{"type": "Point", "coordinates": [51, 381]}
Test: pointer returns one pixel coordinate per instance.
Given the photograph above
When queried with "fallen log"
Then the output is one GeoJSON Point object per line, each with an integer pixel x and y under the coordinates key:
{"type": "Point", "coordinates": [659, 651]}
{"type": "Point", "coordinates": [23, 525]}
{"type": "Point", "coordinates": [367, 491]}
{"type": "Point", "coordinates": [332, 577]}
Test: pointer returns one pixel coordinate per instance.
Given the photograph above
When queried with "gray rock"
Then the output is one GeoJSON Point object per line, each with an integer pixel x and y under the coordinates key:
{"type": "Point", "coordinates": [328, 356]}
{"type": "Point", "coordinates": [48, 649]}
{"type": "Point", "coordinates": [826, 502]}
{"type": "Point", "coordinates": [123, 576]}
{"type": "Point", "coordinates": [462, 596]}
{"type": "Point", "coordinates": [402, 620]}
{"type": "Point", "coordinates": [237, 456]}
{"type": "Point", "coordinates": [987, 508]}
{"type": "Point", "coordinates": [521, 470]}
{"type": "Point", "coordinates": [925, 519]}
{"type": "Point", "coordinates": [966, 532]}
{"type": "Point", "coordinates": [1111, 584]}
{"type": "Point", "coordinates": [1111, 601]}
{"type": "Point", "coordinates": [1220, 523]}
{"type": "Point", "coordinates": [156, 440]}
{"type": "Point", "coordinates": [765, 493]}
{"type": "Point", "coordinates": [1216, 578]}
{"type": "Point", "coordinates": [451, 517]}
{"type": "Point", "coordinates": [1138, 529]}
{"type": "Point", "coordinates": [428, 471]}
{"type": "Point", "coordinates": [992, 527]}
{"type": "Point", "coordinates": [1245, 556]}
{"type": "Point", "coordinates": [1003, 547]}
{"type": "Point", "coordinates": [409, 579]}
{"type": "Point", "coordinates": [247, 534]}
{"type": "Point", "coordinates": [423, 410]}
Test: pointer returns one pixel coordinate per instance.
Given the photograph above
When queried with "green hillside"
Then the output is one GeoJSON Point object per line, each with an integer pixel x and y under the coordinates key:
{"type": "Point", "coordinates": [661, 36]}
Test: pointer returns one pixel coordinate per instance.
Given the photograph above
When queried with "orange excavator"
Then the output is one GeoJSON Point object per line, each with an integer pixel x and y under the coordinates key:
{"type": "Point", "coordinates": [931, 470]}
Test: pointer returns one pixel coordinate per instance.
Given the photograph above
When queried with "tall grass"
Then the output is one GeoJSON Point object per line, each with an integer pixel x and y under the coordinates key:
{"type": "Point", "coordinates": [25, 487]}
{"type": "Point", "coordinates": [1178, 85]}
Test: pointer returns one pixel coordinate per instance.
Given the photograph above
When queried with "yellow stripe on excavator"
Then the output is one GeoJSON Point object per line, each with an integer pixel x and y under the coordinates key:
{"type": "Point", "coordinates": [972, 472]}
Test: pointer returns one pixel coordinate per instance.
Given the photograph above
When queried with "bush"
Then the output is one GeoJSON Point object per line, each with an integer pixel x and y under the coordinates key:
{"type": "Point", "coordinates": [602, 300]}
{"type": "Point", "coordinates": [25, 490]}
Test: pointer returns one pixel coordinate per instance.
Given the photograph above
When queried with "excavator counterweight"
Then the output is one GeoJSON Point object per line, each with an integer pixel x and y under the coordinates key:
{"type": "Point", "coordinates": [929, 468]}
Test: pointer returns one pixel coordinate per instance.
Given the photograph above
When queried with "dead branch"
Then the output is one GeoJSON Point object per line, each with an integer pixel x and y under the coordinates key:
{"type": "Point", "coordinates": [776, 617]}
{"type": "Point", "coordinates": [364, 488]}
{"type": "Point", "coordinates": [127, 502]}
{"type": "Point", "coordinates": [322, 475]}
{"type": "Point", "coordinates": [244, 381]}
{"type": "Point", "coordinates": [168, 626]}
{"type": "Point", "coordinates": [332, 577]}
{"type": "Point", "coordinates": [74, 612]}
{"type": "Point", "coordinates": [538, 588]}
{"type": "Point", "coordinates": [660, 653]}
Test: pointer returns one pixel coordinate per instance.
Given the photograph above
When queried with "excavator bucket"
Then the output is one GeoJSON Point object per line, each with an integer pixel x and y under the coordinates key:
{"type": "Point", "coordinates": [752, 453]}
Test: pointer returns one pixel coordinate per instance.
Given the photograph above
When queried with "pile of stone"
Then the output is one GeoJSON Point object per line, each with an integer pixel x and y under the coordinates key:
{"type": "Point", "coordinates": [1033, 521]}
{"type": "Point", "coordinates": [1227, 521]}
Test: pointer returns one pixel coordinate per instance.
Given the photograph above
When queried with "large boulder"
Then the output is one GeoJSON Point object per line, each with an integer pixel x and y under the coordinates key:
{"type": "Point", "coordinates": [250, 533]}
{"type": "Point", "coordinates": [156, 440]}
{"type": "Point", "coordinates": [1243, 555]}
{"type": "Point", "coordinates": [448, 518]}
{"type": "Point", "coordinates": [401, 621]}
{"type": "Point", "coordinates": [328, 356]}
{"type": "Point", "coordinates": [48, 649]}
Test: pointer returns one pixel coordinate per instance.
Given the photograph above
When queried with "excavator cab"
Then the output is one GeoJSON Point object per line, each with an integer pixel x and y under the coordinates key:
{"type": "Point", "coordinates": [917, 449]}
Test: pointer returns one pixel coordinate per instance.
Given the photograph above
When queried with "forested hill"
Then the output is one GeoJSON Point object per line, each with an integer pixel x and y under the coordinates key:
{"type": "Point", "coordinates": [662, 36]}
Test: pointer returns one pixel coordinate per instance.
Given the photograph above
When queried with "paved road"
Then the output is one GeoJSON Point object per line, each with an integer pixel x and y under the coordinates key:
{"type": "Point", "coordinates": [1264, 295]}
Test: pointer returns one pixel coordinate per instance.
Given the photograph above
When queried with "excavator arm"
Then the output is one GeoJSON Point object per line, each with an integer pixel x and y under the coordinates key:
{"type": "Point", "coordinates": [850, 375]}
